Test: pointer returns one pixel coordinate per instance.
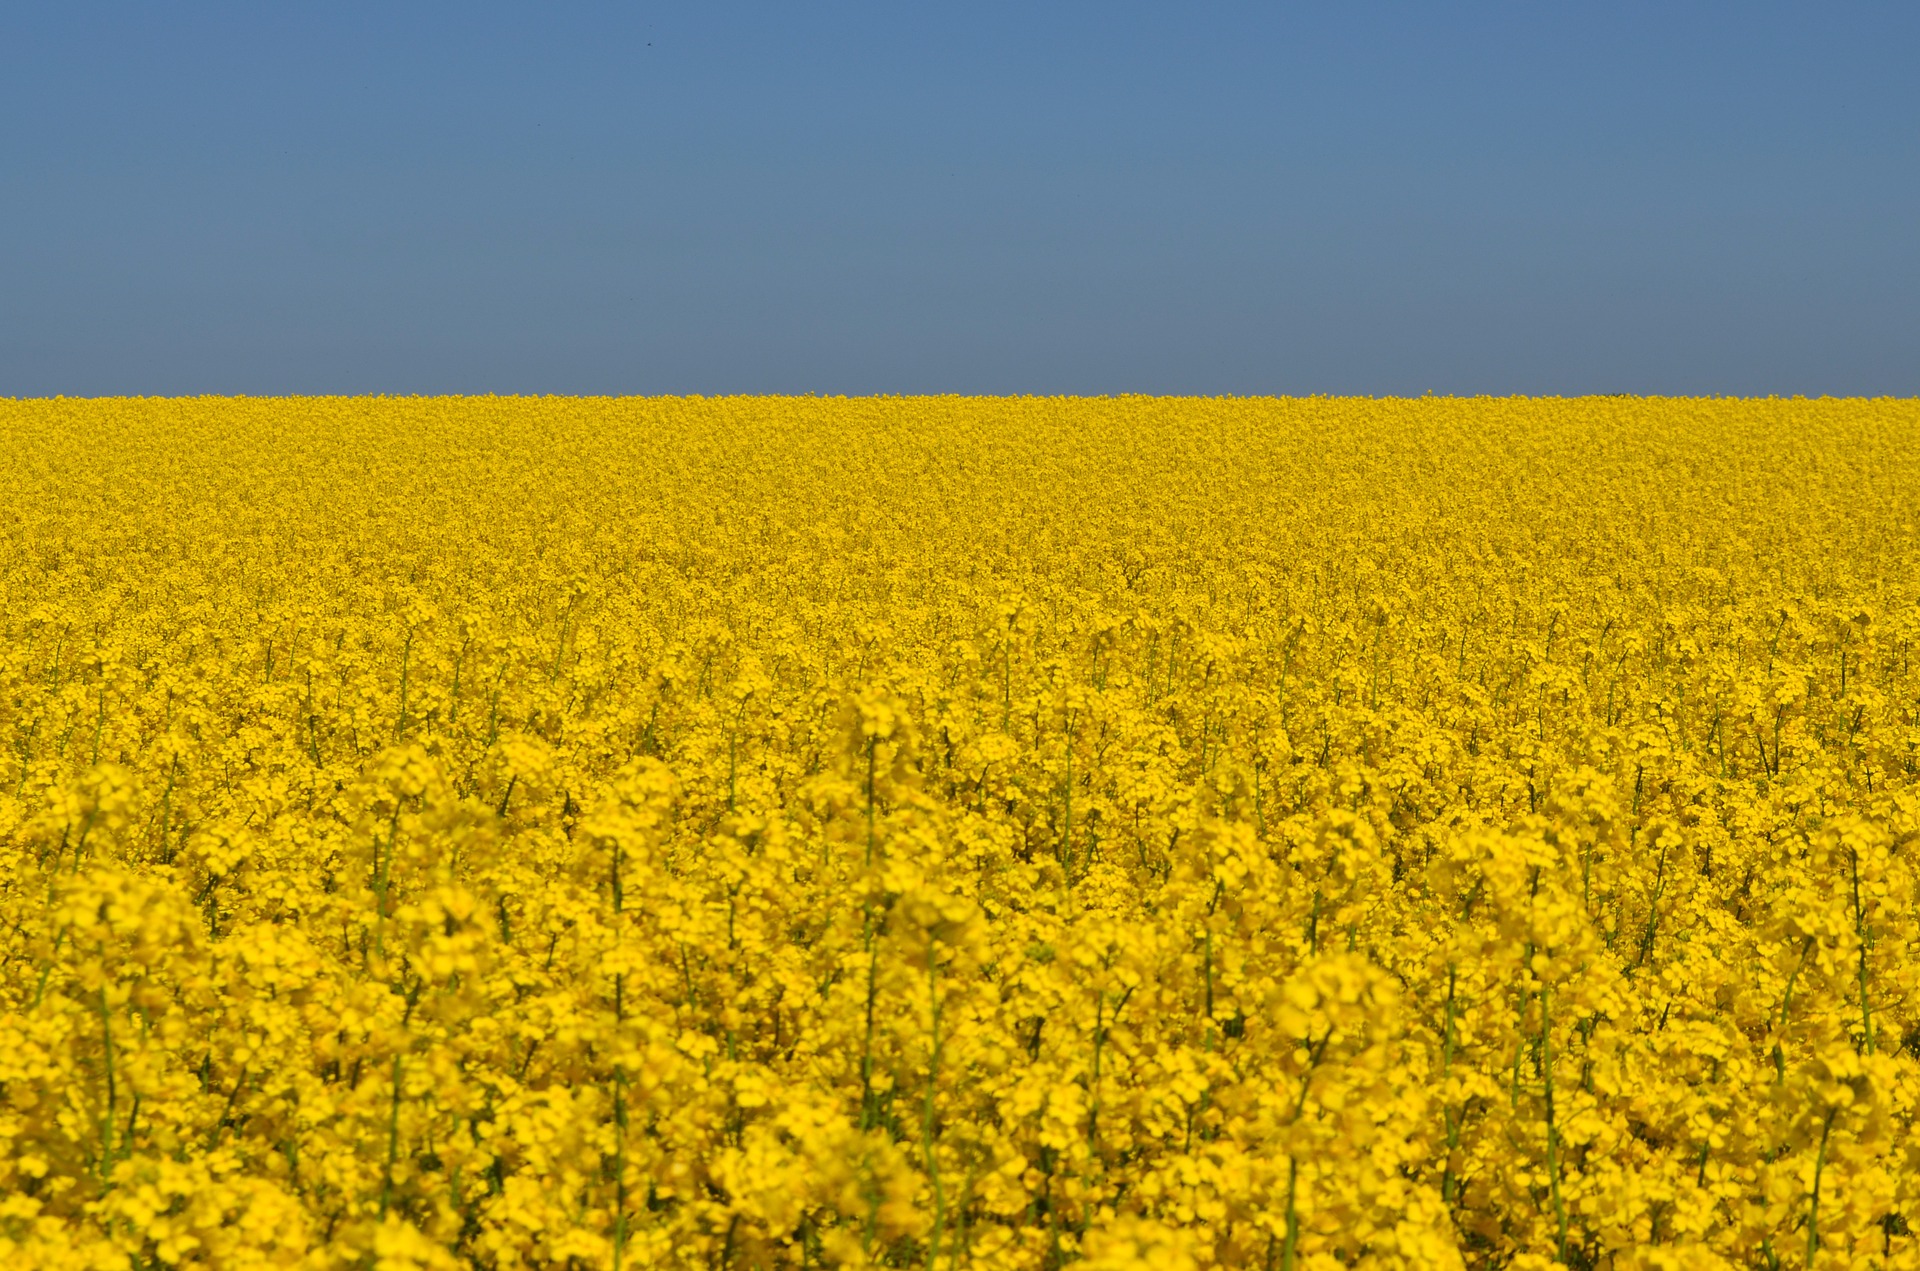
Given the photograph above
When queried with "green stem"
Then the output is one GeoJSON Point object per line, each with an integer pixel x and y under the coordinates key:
{"type": "Point", "coordinates": [1813, 1205]}
{"type": "Point", "coordinates": [1293, 1219]}
{"type": "Point", "coordinates": [1862, 936]}
{"type": "Point", "coordinates": [1093, 1093]}
{"type": "Point", "coordinates": [1067, 835]}
{"type": "Point", "coordinates": [393, 1143]}
{"type": "Point", "coordinates": [1786, 1002]}
{"type": "Point", "coordinates": [1653, 906]}
{"type": "Point", "coordinates": [867, 1111]}
{"type": "Point", "coordinates": [106, 1127]}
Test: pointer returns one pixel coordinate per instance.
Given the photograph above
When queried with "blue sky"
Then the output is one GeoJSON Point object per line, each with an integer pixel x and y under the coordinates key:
{"type": "Point", "coordinates": [1021, 198]}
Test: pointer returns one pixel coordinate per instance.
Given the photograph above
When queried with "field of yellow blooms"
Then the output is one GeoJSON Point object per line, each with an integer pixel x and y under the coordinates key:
{"type": "Point", "coordinates": [956, 832]}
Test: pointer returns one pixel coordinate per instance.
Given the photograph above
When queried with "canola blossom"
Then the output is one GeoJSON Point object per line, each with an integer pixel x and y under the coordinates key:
{"type": "Point", "coordinates": [959, 833]}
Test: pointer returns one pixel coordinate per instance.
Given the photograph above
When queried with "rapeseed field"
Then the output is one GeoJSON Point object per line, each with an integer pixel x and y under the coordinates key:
{"type": "Point", "coordinates": [959, 833]}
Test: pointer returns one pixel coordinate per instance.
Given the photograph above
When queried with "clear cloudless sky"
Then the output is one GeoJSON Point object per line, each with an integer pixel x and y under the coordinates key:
{"type": "Point", "coordinates": [975, 197]}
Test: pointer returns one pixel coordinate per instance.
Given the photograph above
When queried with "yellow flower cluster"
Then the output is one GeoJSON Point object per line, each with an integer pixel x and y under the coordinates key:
{"type": "Point", "coordinates": [943, 832]}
